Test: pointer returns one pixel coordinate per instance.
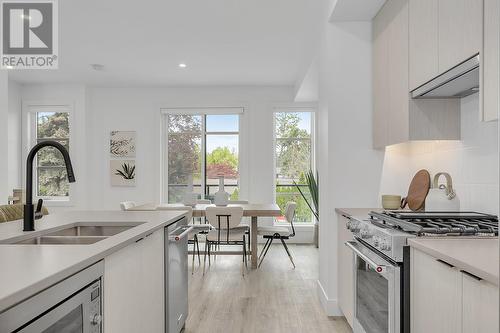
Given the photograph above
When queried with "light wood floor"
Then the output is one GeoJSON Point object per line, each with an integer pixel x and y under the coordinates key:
{"type": "Point", "coordinates": [274, 298]}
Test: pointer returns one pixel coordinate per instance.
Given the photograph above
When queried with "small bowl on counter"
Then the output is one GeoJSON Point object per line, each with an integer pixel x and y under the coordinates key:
{"type": "Point", "coordinates": [391, 202]}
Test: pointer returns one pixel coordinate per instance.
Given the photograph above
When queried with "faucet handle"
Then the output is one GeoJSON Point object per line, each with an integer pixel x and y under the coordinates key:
{"type": "Point", "coordinates": [38, 211]}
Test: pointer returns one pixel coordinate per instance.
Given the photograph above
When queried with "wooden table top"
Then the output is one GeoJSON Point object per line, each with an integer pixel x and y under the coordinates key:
{"type": "Point", "coordinates": [199, 210]}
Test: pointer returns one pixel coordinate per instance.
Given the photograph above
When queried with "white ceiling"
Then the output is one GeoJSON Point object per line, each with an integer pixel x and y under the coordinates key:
{"type": "Point", "coordinates": [355, 10]}
{"type": "Point", "coordinates": [223, 42]}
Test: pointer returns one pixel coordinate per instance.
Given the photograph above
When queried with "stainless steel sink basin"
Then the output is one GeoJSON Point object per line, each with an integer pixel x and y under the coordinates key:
{"type": "Point", "coordinates": [80, 234]}
{"type": "Point", "coordinates": [63, 240]}
{"type": "Point", "coordinates": [86, 230]}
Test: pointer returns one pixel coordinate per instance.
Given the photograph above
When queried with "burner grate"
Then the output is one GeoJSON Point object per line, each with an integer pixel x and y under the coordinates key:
{"type": "Point", "coordinates": [439, 224]}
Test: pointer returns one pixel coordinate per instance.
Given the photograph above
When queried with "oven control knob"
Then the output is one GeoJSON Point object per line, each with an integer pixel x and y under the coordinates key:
{"type": "Point", "coordinates": [96, 319]}
{"type": "Point", "coordinates": [385, 245]}
{"type": "Point", "coordinates": [366, 232]}
{"type": "Point", "coordinates": [354, 226]}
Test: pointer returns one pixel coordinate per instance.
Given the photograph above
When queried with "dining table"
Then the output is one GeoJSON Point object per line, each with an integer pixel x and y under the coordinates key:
{"type": "Point", "coordinates": [254, 211]}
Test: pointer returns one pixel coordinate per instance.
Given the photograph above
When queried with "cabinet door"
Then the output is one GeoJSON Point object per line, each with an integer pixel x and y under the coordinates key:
{"type": "Point", "coordinates": [380, 79]}
{"type": "Point", "coordinates": [480, 306]}
{"type": "Point", "coordinates": [398, 117]}
{"type": "Point", "coordinates": [134, 287]}
{"type": "Point", "coordinates": [491, 56]}
{"type": "Point", "coordinates": [460, 31]}
{"type": "Point", "coordinates": [423, 40]}
{"type": "Point", "coordinates": [346, 270]}
{"type": "Point", "coordinates": [436, 295]}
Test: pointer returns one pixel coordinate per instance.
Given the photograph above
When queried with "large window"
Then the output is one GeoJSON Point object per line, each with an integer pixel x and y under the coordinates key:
{"type": "Point", "coordinates": [294, 151]}
{"type": "Point", "coordinates": [51, 181]}
{"type": "Point", "coordinates": [203, 147]}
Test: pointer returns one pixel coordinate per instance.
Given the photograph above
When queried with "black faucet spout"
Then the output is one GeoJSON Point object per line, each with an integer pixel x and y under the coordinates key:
{"type": "Point", "coordinates": [29, 214]}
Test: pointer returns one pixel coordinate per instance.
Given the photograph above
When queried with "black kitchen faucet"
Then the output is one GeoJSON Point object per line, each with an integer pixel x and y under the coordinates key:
{"type": "Point", "coordinates": [29, 214]}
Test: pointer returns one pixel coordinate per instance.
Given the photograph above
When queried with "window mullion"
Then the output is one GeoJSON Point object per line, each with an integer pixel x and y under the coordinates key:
{"type": "Point", "coordinates": [204, 156]}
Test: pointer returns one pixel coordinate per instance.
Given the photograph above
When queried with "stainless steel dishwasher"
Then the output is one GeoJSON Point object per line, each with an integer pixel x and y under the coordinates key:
{"type": "Point", "coordinates": [176, 284]}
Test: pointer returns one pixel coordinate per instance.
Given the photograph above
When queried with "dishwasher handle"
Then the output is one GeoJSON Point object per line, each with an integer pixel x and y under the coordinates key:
{"type": "Point", "coordinates": [180, 233]}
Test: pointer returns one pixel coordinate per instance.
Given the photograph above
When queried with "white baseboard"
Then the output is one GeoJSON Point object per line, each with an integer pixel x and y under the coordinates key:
{"type": "Point", "coordinates": [330, 306]}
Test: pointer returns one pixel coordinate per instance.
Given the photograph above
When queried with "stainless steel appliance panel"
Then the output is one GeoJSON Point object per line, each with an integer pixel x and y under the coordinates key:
{"type": "Point", "coordinates": [377, 294]}
{"type": "Point", "coordinates": [72, 305]}
{"type": "Point", "coordinates": [176, 248]}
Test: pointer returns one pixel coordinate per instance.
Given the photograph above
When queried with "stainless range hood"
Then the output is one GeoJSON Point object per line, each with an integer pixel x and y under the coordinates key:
{"type": "Point", "coordinates": [460, 81]}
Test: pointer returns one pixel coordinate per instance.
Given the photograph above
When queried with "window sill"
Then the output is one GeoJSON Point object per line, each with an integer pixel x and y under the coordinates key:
{"type": "Point", "coordinates": [55, 203]}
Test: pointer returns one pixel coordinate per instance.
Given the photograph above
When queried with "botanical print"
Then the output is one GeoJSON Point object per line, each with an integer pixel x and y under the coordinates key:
{"type": "Point", "coordinates": [122, 143]}
{"type": "Point", "coordinates": [122, 172]}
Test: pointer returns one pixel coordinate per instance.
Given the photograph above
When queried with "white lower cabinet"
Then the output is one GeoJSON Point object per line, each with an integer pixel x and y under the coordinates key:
{"type": "Point", "coordinates": [345, 270]}
{"type": "Point", "coordinates": [134, 297]}
{"type": "Point", "coordinates": [480, 306]}
{"type": "Point", "coordinates": [445, 299]}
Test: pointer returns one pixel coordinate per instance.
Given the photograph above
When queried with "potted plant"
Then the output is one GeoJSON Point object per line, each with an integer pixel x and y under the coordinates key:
{"type": "Point", "coordinates": [312, 185]}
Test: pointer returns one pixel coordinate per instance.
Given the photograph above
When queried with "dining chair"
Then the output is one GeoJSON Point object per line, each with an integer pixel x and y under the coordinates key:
{"type": "Point", "coordinates": [126, 205]}
{"type": "Point", "coordinates": [245, 223]}
{"type": "Point", "coordinates": [227, 231]}
{"type": "Point", "coordinates": [279, 232]}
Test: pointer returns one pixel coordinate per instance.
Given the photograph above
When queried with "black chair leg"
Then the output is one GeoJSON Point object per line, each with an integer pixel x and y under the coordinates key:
{"type": "Point", "coordinates": [198, 250]}
{"type": "Point", "coordinates": [205, 257]}
{"type": "Point", "coordinates": [287, 251]}
{"type": "Point", "coordinates": [264, 248]}
{"type": "Point", "coordinates": [267, 249]}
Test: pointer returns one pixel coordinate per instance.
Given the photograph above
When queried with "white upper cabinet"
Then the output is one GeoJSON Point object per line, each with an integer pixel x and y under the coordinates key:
{"type": "Point", "coordinates": [396, 117]}
{"type": "Point", "coordinates": [460, 31]}
{"type": "Point", "coordinates": [491, 58]}
{"type": "Point", "coordinates": [423, 41]}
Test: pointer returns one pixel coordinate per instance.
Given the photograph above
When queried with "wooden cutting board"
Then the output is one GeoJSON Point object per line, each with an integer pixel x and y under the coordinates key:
{"type": "Point", "coordinates": [418, 190]}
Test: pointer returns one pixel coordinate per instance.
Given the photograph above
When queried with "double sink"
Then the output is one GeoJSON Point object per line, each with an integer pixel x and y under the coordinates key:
{"type": "Point", "coordinates": [79, 234]}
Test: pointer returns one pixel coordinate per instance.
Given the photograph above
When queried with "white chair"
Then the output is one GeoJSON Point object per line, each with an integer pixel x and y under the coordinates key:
{"type": "Point", "coordinates": [227, 231]}
{"type": "Point", "coordinates": [126, 205]}
{"type": "Point", "coordinates": [279, 232]}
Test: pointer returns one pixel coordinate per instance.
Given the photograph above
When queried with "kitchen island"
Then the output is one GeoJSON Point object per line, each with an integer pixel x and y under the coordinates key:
{"type": "Point", "coordinates": [28, 269]}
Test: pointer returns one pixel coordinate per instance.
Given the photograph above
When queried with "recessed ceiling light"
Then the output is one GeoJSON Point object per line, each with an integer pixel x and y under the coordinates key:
{"type": "Point", "coordinates": [97, 67]}
{"type": "Point", "coordinates": [182, 65]}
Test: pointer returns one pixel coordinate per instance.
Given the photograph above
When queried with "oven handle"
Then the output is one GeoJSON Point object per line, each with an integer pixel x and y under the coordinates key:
{"type": "Point", "coordinates": [353, 246]}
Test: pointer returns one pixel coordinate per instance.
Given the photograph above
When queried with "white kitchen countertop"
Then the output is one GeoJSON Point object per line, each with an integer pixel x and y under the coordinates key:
{"type": "Point", "coordinates": [28, 269]}
{"type": "Point", "coordinates": [478, 256]}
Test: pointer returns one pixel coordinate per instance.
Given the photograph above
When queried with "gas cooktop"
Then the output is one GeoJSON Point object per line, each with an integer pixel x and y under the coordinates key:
{"type": "Point", "coordinates": [438, 223]}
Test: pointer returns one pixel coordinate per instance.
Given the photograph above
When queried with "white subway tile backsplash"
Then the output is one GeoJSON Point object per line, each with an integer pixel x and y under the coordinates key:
{"type": "Point", "coordinates": [472, 162]}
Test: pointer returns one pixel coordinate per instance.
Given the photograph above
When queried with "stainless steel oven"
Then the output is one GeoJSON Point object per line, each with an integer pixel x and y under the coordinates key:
{"type": "Point", "coordinates": [377, 291]}
{"type": "Point", "coordinates": [72, 306]}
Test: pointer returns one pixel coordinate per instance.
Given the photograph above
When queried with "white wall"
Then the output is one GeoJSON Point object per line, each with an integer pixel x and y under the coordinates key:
{"type": "Point", "coordinates": [139, 109]}
{"type": "Point", "coordinates": [15, 135]}
{"type": "Point", "coordinates": [350, 169]}
{"type": "Point", "coordinates": [472, 162]}
{"type": "Point", "coordinates": [4, 137]}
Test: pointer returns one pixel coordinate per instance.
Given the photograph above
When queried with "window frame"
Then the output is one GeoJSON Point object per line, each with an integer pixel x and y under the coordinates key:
{"type": "Point", "coordinates": [312, 109]}
{"type": "Point", "coordinates": [30, 110]}
{"type": "Point", "coordinates": [203, 112]}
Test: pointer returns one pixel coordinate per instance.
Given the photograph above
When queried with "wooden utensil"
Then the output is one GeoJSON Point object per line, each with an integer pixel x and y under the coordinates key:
{"type": "Point", "coordinates": [417, 192]}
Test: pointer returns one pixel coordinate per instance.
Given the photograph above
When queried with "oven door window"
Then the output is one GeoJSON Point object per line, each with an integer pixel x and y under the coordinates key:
{"type": "Point", "coordinates": [372, 298]}
{"type": "Point", "coordinates": [70, 323]}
